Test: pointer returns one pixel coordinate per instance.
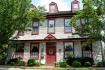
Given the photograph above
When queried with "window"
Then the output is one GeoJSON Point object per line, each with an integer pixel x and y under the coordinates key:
{"type": "Point", "coordinates": [86, 49]}
{"type": "Point", "coordinates": [68, 49]}
{"type": "Point", "coordinates": [67, 26]}
{"type": "Point", "coordinates": [78, 22]}
{"type": "Point", "coordinates": [52, 9]}
{"type": "Point", "coordinates": [76, 8]}
{"type": "Point", "coordinates": [51, 26]}
{"type": "Point", "coordinates": [35, 28]}
{"type": "Point", "coordinates": [20, 48]}
{"type": "Point", "coordinates": [34, 51]}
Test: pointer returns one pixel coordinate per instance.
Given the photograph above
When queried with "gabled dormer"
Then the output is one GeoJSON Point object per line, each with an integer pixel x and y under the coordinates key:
{"type": "Point", "coordinates": [75, 6]}
{"type": "Point", "coordinates": [53, 8]}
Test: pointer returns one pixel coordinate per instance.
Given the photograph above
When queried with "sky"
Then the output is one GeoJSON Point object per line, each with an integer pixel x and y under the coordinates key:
{"type": "Point", "coordinates": [63, 5]}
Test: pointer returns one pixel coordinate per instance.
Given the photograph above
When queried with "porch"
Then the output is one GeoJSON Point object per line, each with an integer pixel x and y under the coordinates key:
{"type": "Point", "coordinates": [39, 50]}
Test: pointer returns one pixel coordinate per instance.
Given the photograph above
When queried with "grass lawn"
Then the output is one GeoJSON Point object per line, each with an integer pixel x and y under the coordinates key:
{"type": "Point", "coordinates": [41, 68]}
{"type": "Point", "coordinates": [31, 68]}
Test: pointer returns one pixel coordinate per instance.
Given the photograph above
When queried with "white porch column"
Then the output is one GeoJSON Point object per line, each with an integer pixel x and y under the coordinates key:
{"type": "Point", "coordinates": [26, 51]}
{"type": "Point", "coordinates": [42, 52]}
{"type": "Point", "coordinates": [59, 51]}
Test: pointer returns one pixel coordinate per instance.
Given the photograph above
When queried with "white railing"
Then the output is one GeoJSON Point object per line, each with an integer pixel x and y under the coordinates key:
{"type": "Point", "coordinates": [16, 55]}
{"type": "Point", "coordinates": [34, 55]}
{"type": "Point", "coordinates": [87, 54]}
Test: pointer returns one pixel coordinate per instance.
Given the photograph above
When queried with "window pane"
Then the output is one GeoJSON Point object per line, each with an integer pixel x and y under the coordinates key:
{"type": "Point", "coordinates": [67, 22]}
{"type": "Point", "coordinates": [35, 24]}
{"type": "Point", "coordinates": [51, 26]}
{"type": "Point", "coordinates": [78, 22]}
{"type": "Point", "coordinates": [86, 49]}
{"type": "Point", "coordinates": [67, 25]}
{"type": "Point", "coordinates": [35, 27]}
{"type": "Point", "coordinates": [34, 51]}
{"type": "Point", "coordinates": [68, 49]}
{"type": "Point", "coordinates": [20, 48]}
{"type": "Point", "coordinates": [67, 29]}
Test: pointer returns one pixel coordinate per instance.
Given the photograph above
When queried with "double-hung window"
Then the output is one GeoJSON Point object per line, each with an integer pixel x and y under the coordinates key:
{"type": "Point", "coordinates": [68, 49]}
{"type": "Point", "coordinates": [67, 26]}
{"type": "Point", "coordinates": [35, 28]}
{"type": "Point", "coordinates": [51, 26]}
{"type": "Point", "coordinates": [34, 51]}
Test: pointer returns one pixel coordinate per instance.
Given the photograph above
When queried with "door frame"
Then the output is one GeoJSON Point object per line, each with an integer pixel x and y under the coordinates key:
{"type": "Point", "coordinates": [46, 51]}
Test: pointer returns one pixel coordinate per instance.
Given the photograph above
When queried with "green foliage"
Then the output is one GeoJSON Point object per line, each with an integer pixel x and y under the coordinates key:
{"type": "Point", "coordinates": [91, 23]}
{"type": "Point", "coordinates": [13, 61]}
{"type": "Point", "coordinates": [16, 61]}
{"type": "Point", "coordinates": [15, 15]}
{"type": "Point", "coordinates": [32, 62]}
{"type": "Point", "coordinates": [20, 63]}
{"type": "Point", "coordinates": [62, 64]}
{"type": "Point", "coordinates": [76, 64]}
{"type": "Point", "coordinates": [101, 64]}
{"type": "Point", "coordinates": [87, 64]}
{"type": "Point", "coordinates": [82, 60]}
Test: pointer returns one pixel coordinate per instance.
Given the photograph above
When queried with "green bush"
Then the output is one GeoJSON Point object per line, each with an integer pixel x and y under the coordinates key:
{"type": "Point", "coordinates": [87, 64]}
{"type": "Point", "coordinates": [99, 64]}
{"type": "Point", "coordinates": [62, 64]}
{"type": "Point", "coordinates": [32, 62]}
{"type": "Point", "coordinates": [87, 59]}
{"type": "Point", "coordinates": [13, 61]}
{"type": "Point", "coordinates": [21, 63]}
{"type": "Point", "coordinates": [76, 64]}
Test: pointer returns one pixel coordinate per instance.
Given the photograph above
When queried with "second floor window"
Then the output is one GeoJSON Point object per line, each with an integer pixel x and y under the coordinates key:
{"type": "Point", "coordinates": [51, 26]}
{"type": "Point", "coordinates": [67, 26]}
{"type": "Point", "coordinates": [35, 28]}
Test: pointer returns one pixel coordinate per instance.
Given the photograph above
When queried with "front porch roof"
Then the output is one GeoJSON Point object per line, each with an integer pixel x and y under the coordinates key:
{"type": "Point", "coordinates": [43, 36]}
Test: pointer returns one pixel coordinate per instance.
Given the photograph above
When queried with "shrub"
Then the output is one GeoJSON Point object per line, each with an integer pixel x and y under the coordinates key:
{"type": "Point", "coordinates": [32, 62]}
{"type": "Point", "coordinates": [21, 63]}
{"type": "Point", "coordinates": [87, 59]}
{"type": "Point", "coordinates": [62, 64]}
{"type": "Point", "coordinates": [87, 64]}
{"type": "Point", "coordinates": [70, 60]}
{"type": "Point", "coordinates": [13, 61]}
{"type": "Point", "coordinates": [99, 64]}
{"type": "Point", "coordinates": [103, 63]}
{"type": "Point", "coordinates": [76, 64]}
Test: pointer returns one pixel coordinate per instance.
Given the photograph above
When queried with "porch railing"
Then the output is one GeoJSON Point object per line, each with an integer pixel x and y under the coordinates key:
{"type": "Point", "coordinates": [34, 55]}
{"type": "Point", "coordinates": [16, 55]}
{"type": "Point", "coordinates": [87, 54]}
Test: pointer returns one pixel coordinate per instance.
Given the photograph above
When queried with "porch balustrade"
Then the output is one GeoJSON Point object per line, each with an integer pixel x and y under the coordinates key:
{"type": "Point", "coordinates": [16, 55]}
{"type": "Point", "coordinates": [87, 54]}
{"type": "Point", "coordinates": [34, 55]}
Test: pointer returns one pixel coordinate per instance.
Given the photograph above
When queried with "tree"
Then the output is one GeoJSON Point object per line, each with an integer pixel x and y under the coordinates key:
{"type": "Point", "coordinates": [15, 15]}
{"type": "Point", "coordinates": [93, 20]}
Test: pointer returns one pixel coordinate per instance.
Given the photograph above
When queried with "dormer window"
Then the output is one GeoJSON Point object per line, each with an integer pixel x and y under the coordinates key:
{"type": "Point", "coordinates": [75, 6]}
{"type": "Point", "coordinates": [35, 27]}
{"type": "Point", "coordinates": [53, 7]}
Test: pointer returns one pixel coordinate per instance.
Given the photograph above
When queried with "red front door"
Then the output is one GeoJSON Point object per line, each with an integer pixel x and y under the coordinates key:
{"type": "Point", "coordinates": [50, 55]}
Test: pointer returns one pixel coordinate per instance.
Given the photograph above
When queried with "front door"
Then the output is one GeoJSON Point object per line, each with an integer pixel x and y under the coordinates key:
{"type": "Point", "coordinates": [50, 55]}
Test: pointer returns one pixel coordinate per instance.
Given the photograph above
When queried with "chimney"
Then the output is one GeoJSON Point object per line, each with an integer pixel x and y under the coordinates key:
{"type": "Point", "coordinates": [53, 8]}
{"type": "Point", "coordinates": [75, 6]}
